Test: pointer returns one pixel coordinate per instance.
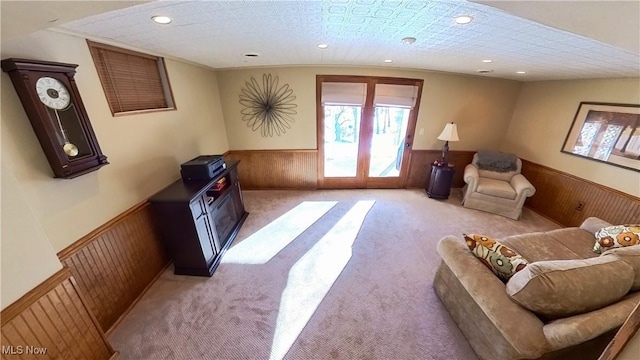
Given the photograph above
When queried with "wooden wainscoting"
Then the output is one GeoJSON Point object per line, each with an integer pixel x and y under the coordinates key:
{"type": "Point", "coordinates": [420, 166]}
{"type": "Point", "coordinates": [298, 169]}
{"type": "Point", "coordinates": [276, 169]}
{"type": "Point", "coordinates": [115, 264]}
{"type": "Point", "coordinates": [558, 194]}
{"type": "Point", "coordinates": [53, 321]}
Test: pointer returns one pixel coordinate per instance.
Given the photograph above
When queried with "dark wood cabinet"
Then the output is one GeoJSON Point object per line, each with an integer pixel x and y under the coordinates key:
{"type": "Point", "coordinates": [198, 221]}
{"type": "Point", "coordinates": [439, 186]}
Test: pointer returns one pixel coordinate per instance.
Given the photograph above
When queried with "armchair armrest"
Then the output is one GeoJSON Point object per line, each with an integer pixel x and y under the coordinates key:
{"type": "Point", "coordinates": [522, 186]}
{"type": "Point", "coordinates": [471, 177]}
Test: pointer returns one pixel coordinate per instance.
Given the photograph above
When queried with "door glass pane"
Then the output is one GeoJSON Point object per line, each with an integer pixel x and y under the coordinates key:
{"type": "Point", "coordinates": [387, 142]}
{"type": "Point", "coordinates": [341, 128]}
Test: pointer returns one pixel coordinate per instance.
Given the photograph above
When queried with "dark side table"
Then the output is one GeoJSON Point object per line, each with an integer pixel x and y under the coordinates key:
{"type": "Point", "coordinates": [439, 186]}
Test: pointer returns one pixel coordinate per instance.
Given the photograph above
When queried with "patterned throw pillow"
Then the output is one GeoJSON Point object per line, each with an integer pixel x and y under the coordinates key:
{"type": "Point", "coordinates": [500, 259]}
{"type": "Point", "coordinates": [616, 236]}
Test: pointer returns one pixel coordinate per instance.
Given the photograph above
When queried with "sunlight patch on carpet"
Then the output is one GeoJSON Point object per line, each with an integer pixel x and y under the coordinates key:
{"type": "Point", "coordinates": [311, 277]}
{"type": "Point", "coordinates": [265, 243]}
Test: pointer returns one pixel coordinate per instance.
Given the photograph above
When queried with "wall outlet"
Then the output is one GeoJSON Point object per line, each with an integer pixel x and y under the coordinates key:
{"type": "Point", "coordinates": [421, 132]}
{"type": "Point", "coordinates": [580, 206]}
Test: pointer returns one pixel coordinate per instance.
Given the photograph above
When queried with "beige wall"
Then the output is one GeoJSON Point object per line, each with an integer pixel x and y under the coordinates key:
{"type": "Point", "coordinates": [543, 116]}
{"type": "Point", "coordinates": [27, 255]}
{"type": "Point", "coordinates": [482, 107]}
{"type": "Point", "coordinates": [144, 152]}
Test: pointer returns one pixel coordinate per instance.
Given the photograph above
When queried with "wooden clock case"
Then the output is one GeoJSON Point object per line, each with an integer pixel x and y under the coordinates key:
{"type": "Point", "coordinates": [24, 74]}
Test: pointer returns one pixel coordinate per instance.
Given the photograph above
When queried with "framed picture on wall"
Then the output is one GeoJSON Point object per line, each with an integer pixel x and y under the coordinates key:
{"type": "Point", "coordinates": [608, 133]}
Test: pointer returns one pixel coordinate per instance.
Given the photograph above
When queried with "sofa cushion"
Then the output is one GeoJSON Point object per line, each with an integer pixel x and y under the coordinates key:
{"type": "Point", "coordinates": [559, 288]}
{"type": "Point", "coordinates": [630, 255]}
{"type": "Point", "coordinates": [560, 244]}
{"type": "Point", "coordinates": [497, 188]}
{"type": "Point", "coordinates": [500, 259]}
{"type": "Point", "coordinates": [616, 236]}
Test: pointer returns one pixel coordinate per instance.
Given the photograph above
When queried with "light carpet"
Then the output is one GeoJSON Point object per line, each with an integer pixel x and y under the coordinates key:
{"type": "Point", "coordinates": [355, 283]}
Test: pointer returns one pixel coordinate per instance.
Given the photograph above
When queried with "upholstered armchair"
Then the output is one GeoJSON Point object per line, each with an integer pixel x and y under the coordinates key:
{"type": "Point", "coordinates": [494, 184]}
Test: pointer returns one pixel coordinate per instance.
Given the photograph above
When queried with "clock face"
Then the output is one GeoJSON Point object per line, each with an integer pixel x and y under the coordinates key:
{"type": "Point", "coordinates": [53, 93]}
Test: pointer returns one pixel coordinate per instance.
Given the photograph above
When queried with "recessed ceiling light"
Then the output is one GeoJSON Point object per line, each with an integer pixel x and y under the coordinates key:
{"type": "Point", "coordinates": [388, 61]}
{"type": "Point", "coordinates": [487, 61]}
{"type": "Point", "coordinates": [521, 72]}
{"type": "Point", "coordinates": [323, 46]}
{"type": "Point", "coordinates": [160, 19]}
{"type": "Point", "coordinates": [465, 19]}
{"type": "Point", "coordinates": [408, 40]}
{"type": "Point", "coordinates": [252, 54]}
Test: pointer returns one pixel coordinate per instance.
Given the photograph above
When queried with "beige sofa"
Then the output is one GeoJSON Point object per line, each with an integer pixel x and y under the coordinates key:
{"type": "Point", "coordinates": [498, 328]}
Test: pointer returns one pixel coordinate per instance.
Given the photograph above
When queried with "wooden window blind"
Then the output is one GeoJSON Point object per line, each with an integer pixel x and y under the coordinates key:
{"type": "Point", "coordinates": [132, 81]}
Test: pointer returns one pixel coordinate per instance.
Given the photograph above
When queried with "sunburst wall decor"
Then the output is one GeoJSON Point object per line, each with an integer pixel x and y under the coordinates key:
{"type": "Point", "coordinates": [267, 107]}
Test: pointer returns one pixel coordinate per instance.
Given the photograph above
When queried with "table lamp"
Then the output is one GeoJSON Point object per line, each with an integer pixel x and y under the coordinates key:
{"type": "Point", "coordinates": [450, 133]}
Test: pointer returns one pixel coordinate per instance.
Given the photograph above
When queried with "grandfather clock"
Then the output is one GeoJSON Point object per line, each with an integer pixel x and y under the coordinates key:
{"type": "Point", "coordinates": [51, 99]}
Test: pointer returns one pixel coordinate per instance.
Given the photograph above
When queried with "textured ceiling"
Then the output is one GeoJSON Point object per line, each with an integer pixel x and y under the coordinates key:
{"type": "Point", "coordinates": [613, 22]}
{"type": "Point", "coordinates": [24, 17]}
{"type": "Point", "coordinates": [217, 34]}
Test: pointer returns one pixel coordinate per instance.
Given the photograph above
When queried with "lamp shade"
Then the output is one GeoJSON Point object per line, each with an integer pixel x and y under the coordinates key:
{"type": "Point", "coordinates": [450, 133]}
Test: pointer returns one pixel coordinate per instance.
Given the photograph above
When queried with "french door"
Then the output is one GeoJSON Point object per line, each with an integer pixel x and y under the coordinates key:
{"type": "Point", "coordinates": [365, 130]}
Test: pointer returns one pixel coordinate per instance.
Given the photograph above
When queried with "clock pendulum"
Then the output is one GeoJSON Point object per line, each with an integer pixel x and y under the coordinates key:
{"type": "Point", "coordinates": [68, 147]}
